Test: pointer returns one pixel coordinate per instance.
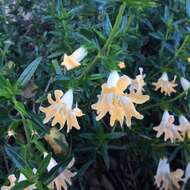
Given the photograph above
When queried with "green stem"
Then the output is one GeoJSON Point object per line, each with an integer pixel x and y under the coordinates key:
{"type": "Point", "coordinates": [168, 101]}
{"type": "Point", "coordinates": [164, 41]}
{"type": "Point", "coordinates": [90, 66]}
{"type": "Point", "coordinates": [129, 23]}
{"type": "Point", "coordinates": [116, 26]}
{"type": "Point", "coordinates": [186, 40]}
{"type": "Point", "coordinates": [108, 42]}
{"type": "Point", "coordinates": [26, 132]}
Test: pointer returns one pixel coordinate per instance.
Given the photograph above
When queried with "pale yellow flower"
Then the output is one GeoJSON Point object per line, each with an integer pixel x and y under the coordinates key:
{"type": "Point", "coordinates": [188, 59]}
{"type": "Point", "coordinates": [72, 61]}
{"type": "Point", "coordinates": [184, 83]}
{"type": "Point", "coordinates": [166, 180]}
{"type": "Point", "coordinates": [121, 65]}
{"type": "Point", "coordinates": [63, 178]}
{"type": "Point", "coordinates": [184, 126]}
{"type": "Point", "coordinates": [168, 128]}
{"type": "Point", "coordinates": [12, 180]}
{"type": "Point", "coordinates": [166, 86]}
{"type": "Point", "coordinates": [61, 110]}
{"type": "Point", "coordinates": [118, 104]}
{"type": "Point", "coordinates": [138, 83]}
{"type": "Point", "coordinates": [187, 173]}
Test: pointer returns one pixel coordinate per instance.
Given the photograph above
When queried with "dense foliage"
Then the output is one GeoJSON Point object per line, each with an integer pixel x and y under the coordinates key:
{"type": "Point", "coordinates": [34, 35]}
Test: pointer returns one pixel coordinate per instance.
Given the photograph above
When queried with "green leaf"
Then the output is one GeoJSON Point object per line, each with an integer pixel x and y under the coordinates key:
{"type": "Point", "coordinates": [105, 155]}
{"type": "Point", "coordinates": [188, 8]}
{"type": "Point", "coordinates": [22, 185]}
{"type": "Point", "coordinates": [34, 117]}
{"type": "Point", "coordinates": [57, 68]}
{"type": "Point", "coordinates": [95, 76]}
{"type": "Point", "coordinates": [75, 11]}
{"type": "Point", "coordinates": [88, 136]}
{"type": "Point", "coordinates": [100, 35]}
{"type": "Point", "coordinates": [43, 165]}
{"type": "Point", "coordinates": [84, 167]}
{"type": "Point", "coordinates": [55, 54]}
{"type": "Point", "coordinates": [115, 135]}
{"type": "Point", "coordinates": [20, 107]}
{"type": "Point", "coordinates": [141, 4]}
{"type": "Point", "coordinates": [29, 71]}
{"type": "Point", "coordinates": [107, 26]}
{"type": "Point", "coordinates": [7, 90]}
{"type": "Point", "coordinates": [18, 160]}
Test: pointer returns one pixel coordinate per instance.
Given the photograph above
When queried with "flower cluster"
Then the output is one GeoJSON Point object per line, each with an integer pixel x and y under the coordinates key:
{"type": "Point", "coordinates": [113, 99]}
{"type": "Point", "coordinates": [119, 98]}
{"type": "Point", "coordinates": [167, 180]}
{"type": "Point", "coordinates": [61, 110]}
{"type": "Point", "coordinates": [172, 131]}
{"type": "Point", "coordinates": [121, 105]}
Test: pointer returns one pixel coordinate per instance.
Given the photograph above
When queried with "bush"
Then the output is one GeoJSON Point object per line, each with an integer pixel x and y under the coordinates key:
{"type": "Point", "coordinates": [119, 37]}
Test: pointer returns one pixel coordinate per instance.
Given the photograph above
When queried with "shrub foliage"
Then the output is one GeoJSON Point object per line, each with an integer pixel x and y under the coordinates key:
{"type": "Point", "coordinates": [34, 35]}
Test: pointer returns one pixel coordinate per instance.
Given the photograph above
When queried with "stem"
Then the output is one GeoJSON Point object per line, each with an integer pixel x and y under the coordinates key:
{"type": "Point", "coordinates": [108, 42]}
{"type": "Point", "coordinates": [26, 132]}
{"type": "Point", "coordinates": [186, 40]}
{"type": "Point", "coordinates": [178, 96]}
{"type": "Point", "coordinates": [168, 101]}
{"type": "Point", "coordinates": [90, 66]}
{"type": "Point", "coordinates": [116, 26]}
{"type": "Point", "coordinates": [164, 41]}
{"type": "Point", "coordinates": [46, 89]}
{"type": "Point", "coordinates": [129, 23]}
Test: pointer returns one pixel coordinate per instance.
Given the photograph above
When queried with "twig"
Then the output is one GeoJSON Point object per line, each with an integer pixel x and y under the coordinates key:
{"type": "Point", "coordinates": [168, 101]}
{"type": "Point", "coordinates": [46, 89]}
{"type": "Point", "coordinates": [108, 42]}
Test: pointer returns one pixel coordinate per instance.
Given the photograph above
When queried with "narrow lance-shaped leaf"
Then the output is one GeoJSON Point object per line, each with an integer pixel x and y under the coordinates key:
{"type": "Point", "coordinates": [55, 171]}
{"type": "Point", "coordinates": [188, 8]}
{"type": "Point", "coordinates": [18, 160]}
{"type": "Point", "coordinates": [21, 185]}
{"type": "Point", "coordinates": [107, 26]}
{"type": "Point", "coordinates": [29, 71]}
{"type": "Point", "coordinates": [44, 164]}
{"type": "Point", "coordinates": [105, 155]}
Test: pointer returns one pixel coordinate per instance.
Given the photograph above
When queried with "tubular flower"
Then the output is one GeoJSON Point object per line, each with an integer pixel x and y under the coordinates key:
{"type": "Point", "coordinates": [168, 128]}
{"type": "Point", "coordinates": [187, 173]}
{"type": "Point", "coordinates": [165, 179]}
{"type": "Point", "coordinates": [72, 61]}
{"type": "Point", "coordinates": [12, 180]}
{"type": "Point", "coordinates": [138, 83]}
{"type": "Point", "coordinates": [61, 110]}
{"type": "Point", "coordinates": [166, 86]}
{"type": "Point", "coordinates": [184, 126]}
{"type": "Point", "coordinates": [63, 178]}
{"type": "Point", "coordinates": [118, 104]}
{"type": "Point", "coordinates": [184, 83]}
